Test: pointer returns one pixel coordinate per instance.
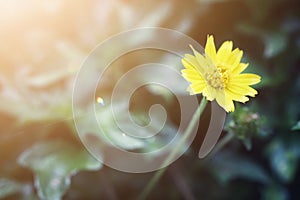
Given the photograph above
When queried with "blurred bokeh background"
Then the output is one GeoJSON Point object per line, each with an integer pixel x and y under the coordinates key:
{"type": "Point", "coordinates": [43, 43]}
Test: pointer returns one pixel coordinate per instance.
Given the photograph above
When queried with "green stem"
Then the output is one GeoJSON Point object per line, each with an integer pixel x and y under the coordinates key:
{"type": "Point", "coordinates": [225, 140]}
{"type": "Point", "coordinates": [220, 145]}
{"type": "Point", "coordinates": [178, 148]}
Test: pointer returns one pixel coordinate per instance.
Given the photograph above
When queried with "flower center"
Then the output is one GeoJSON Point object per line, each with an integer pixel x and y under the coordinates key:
{"type": "Point", "coordinates": [218, 78]}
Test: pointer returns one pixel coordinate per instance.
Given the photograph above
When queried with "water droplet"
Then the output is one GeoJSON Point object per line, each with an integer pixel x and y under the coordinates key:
{"type": "Point", "coordinates": [100, 101]}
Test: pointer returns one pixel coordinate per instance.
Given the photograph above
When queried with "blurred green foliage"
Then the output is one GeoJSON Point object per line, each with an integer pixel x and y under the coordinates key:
{"type": "Point", "coordinates": [41, 155]}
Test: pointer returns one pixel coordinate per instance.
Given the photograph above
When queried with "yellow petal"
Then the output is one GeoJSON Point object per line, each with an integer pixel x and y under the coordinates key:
{"type": "Point", "coordinates": [192, 77]}
{"type": "Point", "coordinates": [229, 105]}
{"type": "Point", "coordinates": [197, 87]}
{"type": "Point", "coordinates": [192, 61]}
{"type": "Point", "coordinates": [246, 79]}
{"type": "Point", "coordinates": [235, 58]}
{"type": "Point", "coordinates": [224, 52]}
{"type": "Point", "coordinates": [210, 49]}
{"type": "Point", "coordinates": [190, 90]}
{"type": "Point", "coordinates": [191, 74]}
{"type": "Point", "coordinates": [209, 92]}
{"type": "Point", "coordinates": [195, 78]}
{"type": "Point", "coordinates": [236, 97]}
{"type": "Point", "coordinates": [187, 64]}
{"type": "Point", "coordinates": [202, 62]}
{"type": "Point", "coordinates": [240, 68]}
{"type": "Point", "coordinates": [225, 101]}
{"type": "Point", "coordinates": [244, 90]}
{"type": "Point", "coordinates": [220, 97]}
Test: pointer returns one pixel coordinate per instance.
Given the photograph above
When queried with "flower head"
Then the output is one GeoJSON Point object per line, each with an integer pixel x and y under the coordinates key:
{"type": "Point", "coordinates": [217, 74]}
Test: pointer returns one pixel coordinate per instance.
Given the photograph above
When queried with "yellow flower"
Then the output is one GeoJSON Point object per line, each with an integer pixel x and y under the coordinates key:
{"type": "Point", "coordinates": [217, 74]}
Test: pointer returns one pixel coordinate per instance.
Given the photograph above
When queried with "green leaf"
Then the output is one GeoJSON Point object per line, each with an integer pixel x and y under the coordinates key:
{"type": "Point", "coordinates": [109, 133]}
{"type": "Point", "coordinates": [260, 69]}
{"type": "Point", "coordinates": [13, 189]}
{"type": "Point", "coordinates": [106, 128]}
{"type": "Point", "coordinates": [180, 85]}
{"type": "Point", "coordinates": [53, 164]}
{"type": "Point", "coordinates": [274, 192]}
{"type": "Point", "coordinates": [45, 106]}
{"type": "Point", "coordinates": [49, 78]}
{"type": "Point", "coordinates": [275, 43]}
{"type": "Point", "coordinates": [8, 187]}
{"type": "Point", "coordinates": [227, 166]}
{"type": "Point", "coordinates": [296, 127]}
{"type": "Point", "coordinates": [247, 143]}
{"type": "Point", "coordinates": [66, 54]}
{"type": "Point", "coordinates": [283, 160]}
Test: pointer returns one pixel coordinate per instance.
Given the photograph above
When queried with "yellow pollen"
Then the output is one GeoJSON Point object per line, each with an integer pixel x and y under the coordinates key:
{"type": "Point", "coordinates": [218, 78]}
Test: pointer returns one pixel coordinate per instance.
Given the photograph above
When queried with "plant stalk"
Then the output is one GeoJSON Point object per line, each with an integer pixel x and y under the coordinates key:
{"type": "Point", "coordinates": [185, 136]}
